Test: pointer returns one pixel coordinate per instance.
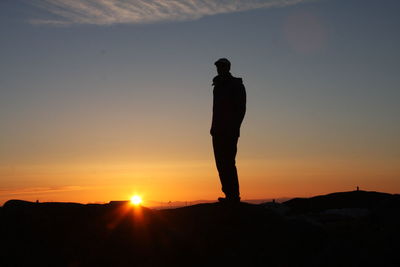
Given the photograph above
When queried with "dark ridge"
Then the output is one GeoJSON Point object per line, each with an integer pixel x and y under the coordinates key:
{"type": "Point", "coordinates": [339, 200]}
{"type": "Point", "coordinates": [340, 229]}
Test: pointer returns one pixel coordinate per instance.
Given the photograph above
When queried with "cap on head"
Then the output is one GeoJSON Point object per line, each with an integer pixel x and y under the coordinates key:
{"type": "Point", "coordinates": [223, 62]}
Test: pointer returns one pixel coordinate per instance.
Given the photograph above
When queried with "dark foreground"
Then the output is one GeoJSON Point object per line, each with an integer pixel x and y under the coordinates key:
{"type": "Point", "coordinates": [342, 229]}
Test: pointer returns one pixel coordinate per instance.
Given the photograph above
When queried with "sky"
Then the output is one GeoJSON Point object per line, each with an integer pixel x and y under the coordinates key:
{"type": "Point", "coordinates": [100, 100]}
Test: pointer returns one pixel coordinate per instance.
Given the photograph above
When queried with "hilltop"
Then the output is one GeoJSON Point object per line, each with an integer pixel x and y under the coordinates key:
{"type": "Point", "coordinates": [355, 228]}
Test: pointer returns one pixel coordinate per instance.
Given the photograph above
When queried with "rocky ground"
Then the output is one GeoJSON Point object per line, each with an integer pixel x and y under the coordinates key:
{"type": "Point", "coordinates": [356, 228]}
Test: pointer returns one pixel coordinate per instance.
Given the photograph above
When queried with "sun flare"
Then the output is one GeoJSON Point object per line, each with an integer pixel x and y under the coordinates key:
{"type": "Point", "coordinates": [136, 200]}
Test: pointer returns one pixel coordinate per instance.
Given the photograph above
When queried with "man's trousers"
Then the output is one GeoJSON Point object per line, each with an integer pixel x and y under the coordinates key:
{"type": "Point", "coordinates": [225, 148]}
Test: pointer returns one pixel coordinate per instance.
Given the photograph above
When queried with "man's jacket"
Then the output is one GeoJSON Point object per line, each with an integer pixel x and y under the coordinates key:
{"type": "Point", "coordinates": [229, 106]}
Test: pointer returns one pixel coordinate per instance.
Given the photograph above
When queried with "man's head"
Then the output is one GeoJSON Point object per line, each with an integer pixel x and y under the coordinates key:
{"type": "Point", "coordinates": [223, 66]}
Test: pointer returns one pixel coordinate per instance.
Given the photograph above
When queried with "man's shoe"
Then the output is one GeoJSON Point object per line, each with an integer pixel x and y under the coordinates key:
{"type": "Point", "coordinates": [222, 199]}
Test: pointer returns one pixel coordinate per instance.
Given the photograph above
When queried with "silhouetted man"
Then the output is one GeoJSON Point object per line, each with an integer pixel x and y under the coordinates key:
{"type": "Point", "coordinates": [229, 107]}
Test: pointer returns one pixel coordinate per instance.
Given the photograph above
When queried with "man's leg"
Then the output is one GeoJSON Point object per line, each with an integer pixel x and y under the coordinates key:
{"type": "Point", "coordinates": [225, 148]}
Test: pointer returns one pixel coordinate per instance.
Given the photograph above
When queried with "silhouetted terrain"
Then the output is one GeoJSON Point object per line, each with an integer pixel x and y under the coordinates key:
{"type": "Point", "coordinates": [342, 229]}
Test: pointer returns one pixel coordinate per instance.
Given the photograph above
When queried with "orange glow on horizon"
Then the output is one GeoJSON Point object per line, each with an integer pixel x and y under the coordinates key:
{"type": "Point", "coordinates": [193, 180]}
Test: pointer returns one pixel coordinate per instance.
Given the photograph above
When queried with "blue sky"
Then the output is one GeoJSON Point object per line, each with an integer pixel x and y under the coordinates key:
{"type": "Point", "coordinates": [108, 86]}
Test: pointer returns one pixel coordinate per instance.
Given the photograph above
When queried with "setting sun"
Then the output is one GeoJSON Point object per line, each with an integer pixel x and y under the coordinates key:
{"type": "Point", "coordinates": [136, 200]}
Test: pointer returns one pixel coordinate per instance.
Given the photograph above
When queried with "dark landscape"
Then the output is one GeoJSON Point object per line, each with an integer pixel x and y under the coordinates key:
{"type": "Point", "coordinates": [357, 228]}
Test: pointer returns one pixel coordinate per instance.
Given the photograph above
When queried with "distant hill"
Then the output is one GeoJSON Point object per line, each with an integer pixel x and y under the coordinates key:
{"type": "Point", "coordinates": [178, 204]}
{"type": "Point", "coordinates": [355, 228]}
{"type": "Point", "coordinates": [340, 200]}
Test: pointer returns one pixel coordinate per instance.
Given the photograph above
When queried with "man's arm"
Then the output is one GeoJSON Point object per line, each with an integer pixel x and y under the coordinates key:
{"type": "Point", "coordinates": [240, 99]}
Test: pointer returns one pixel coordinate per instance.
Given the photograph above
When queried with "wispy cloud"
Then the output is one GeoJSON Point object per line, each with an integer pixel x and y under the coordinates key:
{"type": "Point", "coordinates": [39, 190]}
{"type": "Point", "coordinates": [106, 12]}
